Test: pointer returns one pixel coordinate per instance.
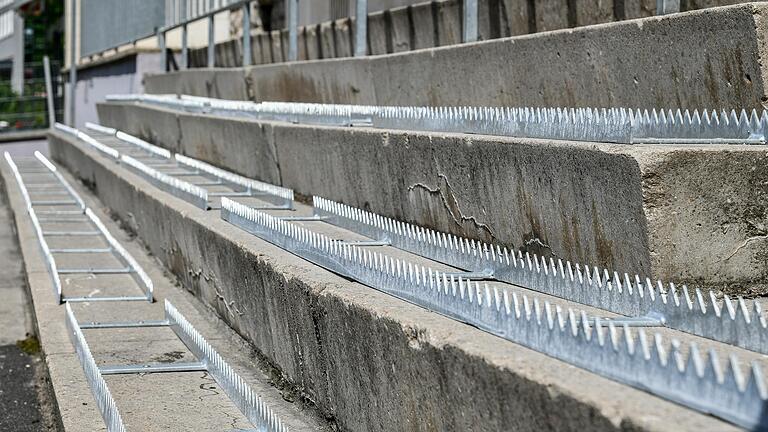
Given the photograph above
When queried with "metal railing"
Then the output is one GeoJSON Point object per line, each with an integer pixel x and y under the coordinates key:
{"type": "Point", "coordinates": [178, 14]}
{"type": "Point", "coordinates": [32, 108]}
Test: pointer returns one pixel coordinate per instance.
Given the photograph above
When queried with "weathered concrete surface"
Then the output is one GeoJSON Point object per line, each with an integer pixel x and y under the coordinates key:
{"type": "Point", "coordinates": [368, 360]}
{"type": "Point", "coordinates": [146, 402]}
{"type": "Point", "coordinates": [704, 59]}
{"type": "Point", "coordinates": [694, 215]}
{"type": "Point", "coordinates": [438, 23]}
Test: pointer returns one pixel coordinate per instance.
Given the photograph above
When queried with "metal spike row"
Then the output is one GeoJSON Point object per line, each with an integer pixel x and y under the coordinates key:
{"type": "Point", "coordinates": [178, 188]}
{"type": "Point", "coordinates": [52, 168]}
{"type": "Point", "coordinates": [604, 290]}
{"type": "Point", "coordinates": [151, 148]}
{"type": "Point", "coordinates": [101, 129]}
{"type": "Point", "coordinates": [285, 195]}
{"type": "Point", "coordinates": [143, 277]}
{"type": "Point", "coordinates": [104, 400]}
{"type": "Point", "coordinates": [620, 125]}
{"type": "Point", "coordinates": [109, 151]}
{"type": "Point", "coordinates": [50, 263]}
{"type": "Point", "coordinates": [723, 393]}
{"type": "Point", "coordinates": [241, 394]}
{"type": "Point", "coordinates": [64, 128]}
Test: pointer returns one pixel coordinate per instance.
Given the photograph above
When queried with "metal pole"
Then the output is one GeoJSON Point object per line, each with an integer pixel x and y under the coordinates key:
{"type": "Point", "coordinates": [72, 66]}
{"type": "Point", "coordinates": [163, 50]}
{"type": "Point", "coordinates": [49, 91]}
{"type": "Point", "coordinates": [184, 49]}
{"type": "Point", "coordinates": [211, 41]}
{"type": "Point", "coordinates": [185, 12]}
{"type": "Point", "coordinates": [361, 28]}
{"type": "Point", "coordinates": [247, 34]}
{"type": "Point", "coordinates": [664, 7]}
{"type": "Point", "coordinates": [293, 35]}
{"type": "Point", "coordinates": [470, 20]}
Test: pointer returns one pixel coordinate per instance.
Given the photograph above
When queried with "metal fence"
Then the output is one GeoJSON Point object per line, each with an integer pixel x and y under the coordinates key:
{"type": "Point", "coordinates": [29, 110]}
{"type": "Point", "coordinates": [106, 24]}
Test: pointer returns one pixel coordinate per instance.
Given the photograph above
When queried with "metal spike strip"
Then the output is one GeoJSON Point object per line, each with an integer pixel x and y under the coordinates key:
{"type": "Point", "coordinates": [235, 387]}
{"type": "Point", "coordinates": [99, 388]}
{"type": "Point", "coordinates": [50, 263]}
{"type": "Point", "coordinates": [129, 260]}
{"type": "Point", "coordinates": [101, 129]}
{"type": "Point", "coordinates": [700, 384]}
{"type": "Point", "coordinates": [620, 125]}
{"type": "Point", "coordinates": [109, 151]}
{"type": "Point", "coordinates": [155, 150]}
{"type": "Point", "coordinates": [284, 195]}
{"type": "Point", "coordinates": [52, 168]}
{"type": "Point", "coordinates": [700, 314]}
{"type": "Point", "coordinates": [178, 188]}
{"type": "Point", "coordinates": [64, 128]}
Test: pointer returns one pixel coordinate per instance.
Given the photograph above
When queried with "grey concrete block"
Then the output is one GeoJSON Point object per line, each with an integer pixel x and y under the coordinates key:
{"type": "Point", "coordinates": [423, 25]}
{"type": "Point", "coordinates": [551, 15]}
{"type": "Point", "coordinates": [342, 36]}
{"type": "Point", "coordinates": [279, 48]}
{"type": "Point", "coordinates": [327, 43]}
{"type": "Point", "coordinates": [301, 41]}
{"type": "Point", "coordinates": [639, 9]}
{"type": "Point", "coordinates": [643, 64]}
{"type": "Point", "coordinates": [448, 22]}
{"type": "Point", "coordinates": [515, 17]}
{"type": "Point", "coordinates": [590, 12]}
{"type": "Point", "coordinates": [312, 41]}
{"type": "Point", "coordinates": [377, 33]}
{"type": "Point", "coordinates": [366, 360]}
{"type": "Point", "coordinates": [400, 35]}
{"type": "Point", "coordinates": [652, 210]}
{"type": "Point", "coordinates": [257, 57]}
{"type": "Point", "coordinates": [265, 44]}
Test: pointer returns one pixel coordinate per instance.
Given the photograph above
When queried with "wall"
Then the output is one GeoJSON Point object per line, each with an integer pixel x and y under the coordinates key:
{"type": "Point", "coordinates": [121, 76]}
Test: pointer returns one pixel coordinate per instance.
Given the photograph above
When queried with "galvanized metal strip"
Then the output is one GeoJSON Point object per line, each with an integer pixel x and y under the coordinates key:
{"type": "Point", "coordinates": [178, 188]}
{"type": "Point", "coordinates": [50, 263]}
{"type": "Point", "coordinates": [601, 348]}
{"type": "Point", "coordinates": [153, 368]}
{"type": "Point", "coordinates": [104, 400]}
{"type": "Point", "coordinates": [241, 394]}
{"type": "Point", "coordinates": [699, 314]}
{"type": "Point", "coordinates": [618, 125]}
{"type": "Point", "coordinates": [143, 278]}
{"type": "Point", "coordinates": [280, 195]}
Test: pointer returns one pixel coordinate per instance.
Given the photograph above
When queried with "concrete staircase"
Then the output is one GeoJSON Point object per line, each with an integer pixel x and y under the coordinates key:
{"type": "Point", "coordinates": [330, 353]}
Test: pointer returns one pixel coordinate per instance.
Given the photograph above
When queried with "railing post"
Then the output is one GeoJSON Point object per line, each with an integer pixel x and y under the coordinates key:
{"type": "Point", "coordinates": [293, 27]}
{"type": "Point", "coordinates": [185, 13]}
{"type": "Point", "coordinates": [664, 7]}
{"type": "Point", "coordinates": [49, 91]}
{"type": "Point", "coordinates": [72, 66]}
{"type": "Point", "coordinates": [361, 28]}
{"type": "Point", "coordinates": [247, 34]}
{"type": "Point", "coordinates": [163, 50]}
{"type": "Point", "coordinates": [211, 39]}
{"type": "Point", "coordinates": [184, 48]}
{"type": "Point", "coordinates": [470, 21]}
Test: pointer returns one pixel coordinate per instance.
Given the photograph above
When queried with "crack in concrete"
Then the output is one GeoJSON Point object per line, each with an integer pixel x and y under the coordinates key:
{"type": "Point", "coordinates": [452, 210]}
{"type": "Point", "coordinates": [744, 244]}
{"type": "Point", "coordinates": [229, 305]}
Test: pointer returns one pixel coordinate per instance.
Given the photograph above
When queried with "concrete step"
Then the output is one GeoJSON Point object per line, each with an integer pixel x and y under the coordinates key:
{"type": "Point", "coordinates": [367, 359]}
{"type": "Point", "coordinates": [687, 214]}
{"type": "Point", "coordinates": [432, 24]}
{"type": "Point", "coordinates": [703, 59]}
{"type": "Point", "coordinates": [147, 402]}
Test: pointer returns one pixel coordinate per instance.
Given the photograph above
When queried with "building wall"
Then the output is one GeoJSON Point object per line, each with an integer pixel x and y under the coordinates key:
{"type": "Point", "coordinates": [12, 47]}
{"type": "Point", "coordinates": [121, 76]}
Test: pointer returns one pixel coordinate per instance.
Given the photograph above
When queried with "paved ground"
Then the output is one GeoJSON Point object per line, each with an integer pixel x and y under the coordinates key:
{"type": "Point", "coordinates": [22, 376]}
